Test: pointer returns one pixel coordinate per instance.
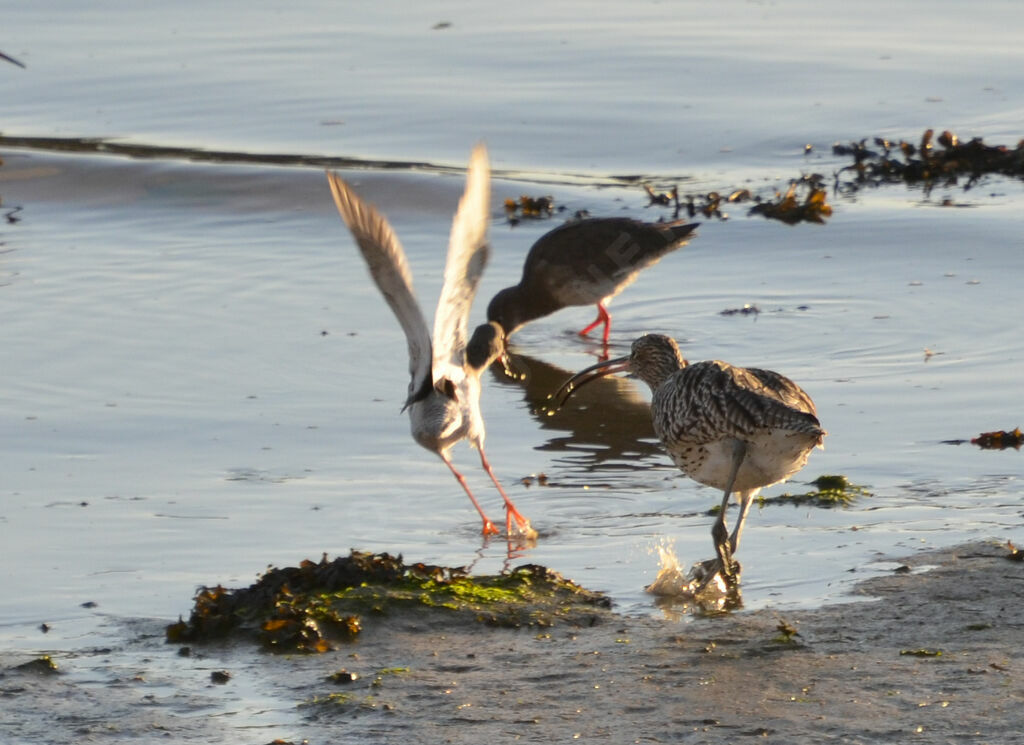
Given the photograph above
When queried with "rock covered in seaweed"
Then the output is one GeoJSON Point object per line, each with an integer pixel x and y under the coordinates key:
{"type": "Point", "coordinates": [308, 607]}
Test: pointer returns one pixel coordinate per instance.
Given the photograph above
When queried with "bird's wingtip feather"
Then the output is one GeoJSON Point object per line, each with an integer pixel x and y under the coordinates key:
{"type": "Point", "coordinates": [479, 166]}
{"type": "Point", "coordinates": [343, 195]}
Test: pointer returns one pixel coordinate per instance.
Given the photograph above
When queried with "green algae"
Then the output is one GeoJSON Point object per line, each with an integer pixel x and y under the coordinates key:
{"type": "Point", "coordinates": [378, 680]}
{"type": "Point", "coordinates": [922, 652]}
{"type": "Point", "coordinates": [344, 703]}
{"type": "Point", "coordinates": [787, 633]}
{"type": "Point", "coordinates": [829, 491]}
{"type": "Point", "coordinates": [391, 671]}
{"type": "Point", "coordinates": [316, 605]}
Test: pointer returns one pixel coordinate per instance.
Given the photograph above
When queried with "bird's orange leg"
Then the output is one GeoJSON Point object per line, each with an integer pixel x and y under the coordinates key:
{"type": "Point", "coordinates": [523, 527]}
{"type": "Point", "coordinates": [489, 527]}
{"type": "Point", "coordinates": [607, 322]}
{"type": "Point", "coordinates": [602, 317]}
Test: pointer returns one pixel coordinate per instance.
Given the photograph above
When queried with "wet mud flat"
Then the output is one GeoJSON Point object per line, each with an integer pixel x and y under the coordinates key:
{"type": "Point", "coordinates": [929, 653]}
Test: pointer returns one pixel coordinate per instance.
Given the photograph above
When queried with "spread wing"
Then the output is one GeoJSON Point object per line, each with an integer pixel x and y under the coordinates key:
{"type": "Point", "coordinates": [390, 270]}
{"type": "Point", "coordinates": [467, 255]}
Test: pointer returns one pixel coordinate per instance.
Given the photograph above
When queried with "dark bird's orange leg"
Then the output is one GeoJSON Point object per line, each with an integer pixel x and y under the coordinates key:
{"type": "Point", "coordinates": [602, 317]}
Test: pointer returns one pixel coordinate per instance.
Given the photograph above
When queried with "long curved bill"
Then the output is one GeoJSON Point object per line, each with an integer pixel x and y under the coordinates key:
{"type": "Point", "coordinates": [580, 379]}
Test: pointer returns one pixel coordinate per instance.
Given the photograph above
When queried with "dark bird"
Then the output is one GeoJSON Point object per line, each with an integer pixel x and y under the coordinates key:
{"type": "Point", "coordinates": [732, 428]}
{"type": "Point", "coordinates": [584, 262]}
{"type": "Point", "coordinates": [444, 391]}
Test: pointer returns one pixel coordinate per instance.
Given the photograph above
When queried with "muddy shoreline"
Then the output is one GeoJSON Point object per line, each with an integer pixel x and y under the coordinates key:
{"type": "Point", "coordinates": [930, 653]}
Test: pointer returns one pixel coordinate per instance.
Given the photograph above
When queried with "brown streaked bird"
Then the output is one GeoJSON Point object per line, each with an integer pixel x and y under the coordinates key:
{"type": "Point", "coordinates": [444, 390]}
{"type": "Point", "coordinates": [584, 262]}
{"type": "Point", "coordinates": [732, 428]}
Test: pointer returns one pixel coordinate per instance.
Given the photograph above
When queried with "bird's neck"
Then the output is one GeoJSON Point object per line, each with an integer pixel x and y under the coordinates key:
{"type": "Point", "coordinates": [514, 307]}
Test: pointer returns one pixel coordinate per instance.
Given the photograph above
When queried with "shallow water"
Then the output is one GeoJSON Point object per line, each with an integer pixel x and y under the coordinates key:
{"type": "Point", "coordinates": [211, 373]}
{"type": "Point", "coordinates": [200, 380]}
{"type": "Point", "coordinates": [591, 87]}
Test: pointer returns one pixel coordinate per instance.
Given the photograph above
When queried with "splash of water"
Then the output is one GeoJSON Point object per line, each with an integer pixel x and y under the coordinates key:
{"type": "Point", "coordinates": [671, 580]}
{"type": "Point", "coordinates": [673, 583]}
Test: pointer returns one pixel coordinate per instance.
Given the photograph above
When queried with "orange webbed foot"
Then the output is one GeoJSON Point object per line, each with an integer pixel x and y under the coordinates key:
{"type": "Point", "coordinates": [522, 529]}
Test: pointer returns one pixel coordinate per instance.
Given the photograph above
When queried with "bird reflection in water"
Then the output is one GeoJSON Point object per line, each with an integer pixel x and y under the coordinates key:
{"type": "Point", "coordinates": [608, 428]}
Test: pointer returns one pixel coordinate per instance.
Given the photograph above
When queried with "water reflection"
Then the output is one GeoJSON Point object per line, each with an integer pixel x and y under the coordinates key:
{"type": "Point", "coordinates": [606, 426]}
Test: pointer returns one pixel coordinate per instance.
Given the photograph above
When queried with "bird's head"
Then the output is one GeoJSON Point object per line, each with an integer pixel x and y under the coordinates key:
{"type": "Point", "coordinates": [653, 357]}
{"type": "Point", "coordinates": [485, 346]}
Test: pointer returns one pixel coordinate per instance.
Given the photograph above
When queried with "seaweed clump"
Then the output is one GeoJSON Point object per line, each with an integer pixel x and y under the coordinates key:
{"type": "Point", "coordinates": [43, 665]}
{"type": "Point", "coordinates": [932, 161]}
{"type": "Point", "coordinates": [790, 209]}
{"type": "Point", "coordinates": [925, 164]}
{"type": "Point", "coordinates": [310, 607]}
{"type": "Point", "coordinates": [999, 440]}
{"type": "Point", "coordinates": [536, 208]}
{"type": "Point", "coordinates": [829, 491]}
{"type": "Point", "coordinates": [709, 205]}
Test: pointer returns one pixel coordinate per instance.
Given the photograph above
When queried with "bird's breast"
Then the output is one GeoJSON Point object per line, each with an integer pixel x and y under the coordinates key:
{"type": "Point", "coordinates": [438, 422]}
{"type": "Point", "coordinates": [771, 456]}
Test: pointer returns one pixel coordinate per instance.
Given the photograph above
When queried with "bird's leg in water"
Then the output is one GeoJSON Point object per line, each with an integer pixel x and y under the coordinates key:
{"type": "Point", "coordinates": [745, 497]}
{"type": "Point", "coordinates": [523, 528]}
{"type": "Point", "coordinates": [719, 532]}
{"type": "Point", "coordinates": [489, 527]}
{"type": "Point", "coordinates": [602, 317]}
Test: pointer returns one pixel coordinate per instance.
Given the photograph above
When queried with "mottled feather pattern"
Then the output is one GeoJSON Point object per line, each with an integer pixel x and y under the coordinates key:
{"type": "Point", "coordinates": [731, 428]}
{"type": "Point", "coordinates": [761, 390]}
{"type": "Point", "coordinates": [711, 400]}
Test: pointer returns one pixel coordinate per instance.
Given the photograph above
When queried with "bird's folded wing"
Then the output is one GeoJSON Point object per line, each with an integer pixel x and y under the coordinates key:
{"type": "Point", "coordinates": [467, 255]}
{"type": "Point", "coordinates": [390, 270]}
{"type": "Point", "coordinates": [763, 398]}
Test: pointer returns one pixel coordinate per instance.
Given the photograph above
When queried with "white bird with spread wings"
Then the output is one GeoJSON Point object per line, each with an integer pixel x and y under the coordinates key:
{"type": "Point", "coordinates": [444, 389]}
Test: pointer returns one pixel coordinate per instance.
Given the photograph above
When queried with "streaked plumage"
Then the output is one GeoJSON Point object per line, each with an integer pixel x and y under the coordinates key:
{"type": "Point", "coordinates": [733, 428]}
{"type": "Point", "coordinates": [444, 389]}
{"type": "Point", "coordinates": [584, 262]}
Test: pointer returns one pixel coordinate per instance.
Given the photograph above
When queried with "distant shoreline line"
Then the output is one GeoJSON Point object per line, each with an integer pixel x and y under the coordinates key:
{"type": "Point", "coordinates": [100, 145]}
